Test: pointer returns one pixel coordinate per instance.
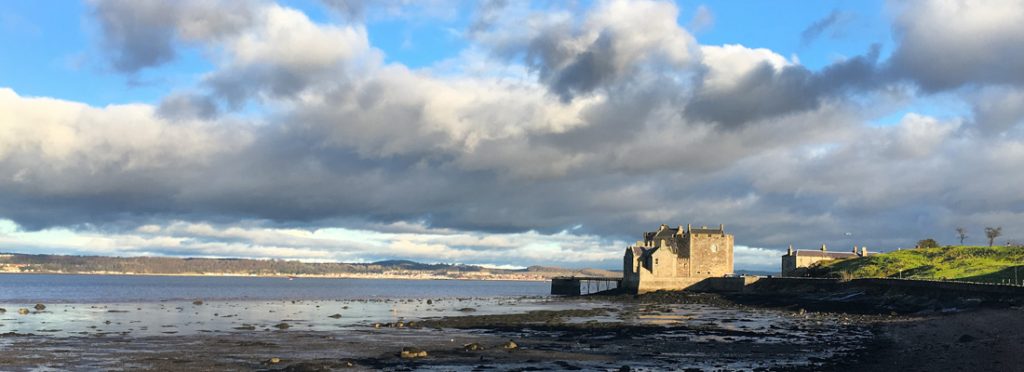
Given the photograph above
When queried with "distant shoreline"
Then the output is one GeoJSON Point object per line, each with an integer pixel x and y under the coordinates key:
{"type": "Point", "coordinates": [278, 276]}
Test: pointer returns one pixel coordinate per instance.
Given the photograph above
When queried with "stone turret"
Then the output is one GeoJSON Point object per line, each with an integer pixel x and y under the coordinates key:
{"type": "Point", "coordinates": [823, 247]}
{"type": "Point", "coordinates": [790, 251]}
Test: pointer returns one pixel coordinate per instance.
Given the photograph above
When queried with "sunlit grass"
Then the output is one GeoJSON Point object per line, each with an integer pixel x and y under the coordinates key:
{"type": "Point", "coordinates": [984, 264]}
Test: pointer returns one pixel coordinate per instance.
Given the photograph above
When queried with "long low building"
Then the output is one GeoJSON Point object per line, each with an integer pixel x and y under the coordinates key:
{"type": "Point", "coordinates": [797, 259]}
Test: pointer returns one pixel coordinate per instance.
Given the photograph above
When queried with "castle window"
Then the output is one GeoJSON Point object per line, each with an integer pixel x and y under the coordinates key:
{"type": "Point", "coordinates": [655, 261]}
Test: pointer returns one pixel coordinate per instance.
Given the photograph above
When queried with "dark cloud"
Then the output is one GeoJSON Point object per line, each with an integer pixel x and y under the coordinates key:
{"type": "Point", "coordinates": [486, 15]}
{"type": "Point", "coordinates": [141, 34]}
{"type": "Point", "coordinates": [185, 106]}
{"type": "Point", "coordinates": [816, 29]}
{"type": "Point", "coordinates": [136, 34]}
{"type": "Point", "coordinates": [943, 45]}
{"type": "Point", "coordinates": [614, 43]}
{"type": "Point", "coordinates": [998, 111]}
{"type": "Point", "coordinates": [768, 91]}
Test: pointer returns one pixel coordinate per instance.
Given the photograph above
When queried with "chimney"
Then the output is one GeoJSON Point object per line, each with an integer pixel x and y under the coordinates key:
{"type": "Point", "coordinates": [680, 231]}
{"type": "Point", "coordinates": [721, 226]}
{"type": "Point", "coordinates": [823, 248]}
{"type": "Point", "coordinates": [687, 227]}
{"type": "Point", "coordinates": [855, 249]}
{"type": "Point", "coordinates": [863, 251]}
{"type": "Point", "coordinates": [790, 251]}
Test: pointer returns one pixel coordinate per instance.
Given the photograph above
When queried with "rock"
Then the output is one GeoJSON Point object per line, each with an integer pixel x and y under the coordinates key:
{"type": "Point", "coordinates": [23, 311]}
{"type": "Point", "coordinates": [282, 325]}
{"type": "Point", "coordinates": [335, 316]}
{"type": "Point", "coordinates": [412, 353]}
{"type": "Point", "coordinates": [274, 360]}
{"type": "Point", "coordinates": [467, 309]}
{"type": "Point", "coordinates": [2, 310]}
{"type": "Point", "coordinates": [376, 325]}
{"type": "Point", "coordinates": [472, 347]}
{"type": "Point", "coordinates": [399, 324]}
{"type": "Point", "coordinates": [430, 302]}
{"type": "Point", "coordinates": [510, 345]}
{"type": "Point", "coordinates": [40, 307]}
{"type": "Point", "coordinates": [197, 302]}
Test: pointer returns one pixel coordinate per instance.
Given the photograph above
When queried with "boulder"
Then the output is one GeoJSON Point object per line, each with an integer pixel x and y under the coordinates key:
{"type": "Point", "coordinates": [412, 353]}
{"type": "Point", "coordinates": [2, 310]}
{"type": "Point", "coordinates": [40, 307]}
{"type": "Point", "coordinates": [23, 311]}
{"type": "Point", "coordinates": [274, 360]}
{"type": "Point", "coordinates": [282, 325]}
{"type": "Point", "coordinates": [510, 345]}
{"type": "Point", "coordinates": [472, 347]}
{"type": "Point", "coordinates": [335, 316]}
{"type": "Point", "coordinates": [197, 302]}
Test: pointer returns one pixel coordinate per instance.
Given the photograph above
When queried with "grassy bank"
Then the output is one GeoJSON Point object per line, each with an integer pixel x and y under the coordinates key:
{"type": "Point", "coordinates": [978, 264]}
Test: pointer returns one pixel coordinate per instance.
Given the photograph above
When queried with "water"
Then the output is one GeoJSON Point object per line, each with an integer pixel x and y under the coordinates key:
{"type": "Point", "coordinates": [83, 289]}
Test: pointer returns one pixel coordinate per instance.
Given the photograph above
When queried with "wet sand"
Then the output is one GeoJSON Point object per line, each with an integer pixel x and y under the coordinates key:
{"type": "Point", "coordinates": [658, 332]}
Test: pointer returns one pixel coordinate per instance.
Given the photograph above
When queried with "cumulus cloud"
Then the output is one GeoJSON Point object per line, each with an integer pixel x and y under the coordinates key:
{"type": "Point", "coordinates": [946, 44]}
{"type": "Point", "coordinates": [741, 85]}
{"type": "Point", "coordinates": [141, 34]}
{"type": "Point", "coordinates": [603, 124]}
{"type": "Point", "coordinates": [614, 41]}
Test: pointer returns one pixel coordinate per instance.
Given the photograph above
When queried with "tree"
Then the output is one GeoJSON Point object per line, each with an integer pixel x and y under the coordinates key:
{"type": "Point", "coordinates": [992, 233]}
{"type": "Point", "coordinates": [927, 243]}
{"type": "Point", "coordinates": [961, 233]}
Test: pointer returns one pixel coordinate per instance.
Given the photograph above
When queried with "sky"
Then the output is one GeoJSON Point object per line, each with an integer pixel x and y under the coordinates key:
{"type": "Point", "coordinates": [505, 133]}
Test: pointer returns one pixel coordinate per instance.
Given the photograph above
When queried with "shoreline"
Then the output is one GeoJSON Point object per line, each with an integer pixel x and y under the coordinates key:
{"type": "Point", "coordinates": [644, 332]}
{"type": "Point", "coordinates": [279, 276]}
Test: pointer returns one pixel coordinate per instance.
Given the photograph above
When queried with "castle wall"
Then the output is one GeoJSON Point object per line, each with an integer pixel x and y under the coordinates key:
{"type": "Point", "coordinates": [664, 265]}
{"type": "Point", "coordinates": [711, 255]}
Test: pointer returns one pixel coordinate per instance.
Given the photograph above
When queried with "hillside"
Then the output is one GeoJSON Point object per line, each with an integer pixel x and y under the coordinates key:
{"type": "Point", "coordinates": [979, 264]}
{"type": "Point", "coordinates": [14, 262]}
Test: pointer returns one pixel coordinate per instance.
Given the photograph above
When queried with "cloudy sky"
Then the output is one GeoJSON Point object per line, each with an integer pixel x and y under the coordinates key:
{"type": "Point", "coordinates": [505, 132]}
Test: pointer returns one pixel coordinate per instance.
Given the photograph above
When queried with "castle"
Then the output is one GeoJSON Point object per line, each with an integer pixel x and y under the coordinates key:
{"type": "Point", "coordinates": [674, 258]}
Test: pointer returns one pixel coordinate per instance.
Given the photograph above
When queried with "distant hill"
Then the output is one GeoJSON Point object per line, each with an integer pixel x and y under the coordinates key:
{"type": "Point", "coordinates": [978, 264]}
{"type": "Point", "coordinates": [30, 263]}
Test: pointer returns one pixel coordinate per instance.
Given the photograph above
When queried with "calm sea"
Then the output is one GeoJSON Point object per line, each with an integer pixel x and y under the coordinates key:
{"type": "Point", "coordinates": [31, 288]}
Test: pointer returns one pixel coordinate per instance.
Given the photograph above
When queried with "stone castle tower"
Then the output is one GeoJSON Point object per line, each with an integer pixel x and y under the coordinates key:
{"type": "Point", "coordinates": [674, 258]}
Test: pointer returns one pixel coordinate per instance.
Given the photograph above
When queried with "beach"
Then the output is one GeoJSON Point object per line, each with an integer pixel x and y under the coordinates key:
{"type": "Point", "coordinates": [656, 331]}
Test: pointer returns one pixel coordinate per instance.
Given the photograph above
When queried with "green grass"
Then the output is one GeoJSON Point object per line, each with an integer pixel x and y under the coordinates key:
{"type": "Point", "coordinates": [979, 264]}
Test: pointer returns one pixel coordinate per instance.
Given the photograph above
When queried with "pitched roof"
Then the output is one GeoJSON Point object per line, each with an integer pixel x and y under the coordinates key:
{"type": "Point", "coordinates": [824, 254]}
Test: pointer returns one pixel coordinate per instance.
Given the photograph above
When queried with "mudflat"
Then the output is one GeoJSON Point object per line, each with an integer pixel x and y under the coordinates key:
{"type": "Point", "coordinates": [667, 331]}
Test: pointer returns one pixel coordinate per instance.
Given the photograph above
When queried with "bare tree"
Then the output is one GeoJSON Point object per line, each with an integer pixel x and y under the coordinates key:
{"type": "Point", "coordinates": [992, 233]}
{"type": "Point", "coordinates": [962, 234]}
